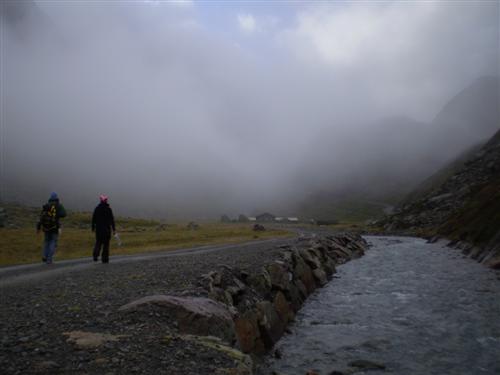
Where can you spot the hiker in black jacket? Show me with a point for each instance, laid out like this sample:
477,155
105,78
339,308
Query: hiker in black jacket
102,223
52,211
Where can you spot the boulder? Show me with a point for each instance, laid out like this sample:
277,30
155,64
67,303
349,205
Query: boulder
247,333
494,263
310,257
295,296
320,276
283,308
280,278
261,282
303,272
270,325
195,315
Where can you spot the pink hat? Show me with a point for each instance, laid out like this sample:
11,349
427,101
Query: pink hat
103,198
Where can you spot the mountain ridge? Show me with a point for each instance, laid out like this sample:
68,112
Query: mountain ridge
464,208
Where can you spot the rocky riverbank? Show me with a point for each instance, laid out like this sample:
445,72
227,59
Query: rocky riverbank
195,314
460,203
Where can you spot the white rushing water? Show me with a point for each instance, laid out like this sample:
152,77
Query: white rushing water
414,307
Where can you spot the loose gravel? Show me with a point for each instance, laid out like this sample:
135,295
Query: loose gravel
37,311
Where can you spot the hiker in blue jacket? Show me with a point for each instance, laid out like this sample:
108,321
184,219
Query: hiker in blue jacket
52,211
103,223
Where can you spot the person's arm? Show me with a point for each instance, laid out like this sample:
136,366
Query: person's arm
39,224
93,219
61,210
112,220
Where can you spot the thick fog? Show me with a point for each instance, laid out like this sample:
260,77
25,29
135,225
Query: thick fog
195,109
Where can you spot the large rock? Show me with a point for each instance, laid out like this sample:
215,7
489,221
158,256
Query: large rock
303,272
195,315
310,257
261,282
224,285
320,276
283,308
295,295
248,333
494,263
270,324
278,273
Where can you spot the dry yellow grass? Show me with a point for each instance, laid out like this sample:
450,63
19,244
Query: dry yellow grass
24,245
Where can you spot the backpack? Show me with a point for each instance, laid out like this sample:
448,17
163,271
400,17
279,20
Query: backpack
49,217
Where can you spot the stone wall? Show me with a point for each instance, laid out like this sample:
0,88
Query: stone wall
260,305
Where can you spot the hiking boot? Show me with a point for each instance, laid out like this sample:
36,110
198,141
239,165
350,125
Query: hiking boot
96,259
44,260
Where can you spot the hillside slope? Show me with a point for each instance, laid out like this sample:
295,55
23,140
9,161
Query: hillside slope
396,154
464,208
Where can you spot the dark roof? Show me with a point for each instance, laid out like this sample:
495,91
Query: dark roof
266,214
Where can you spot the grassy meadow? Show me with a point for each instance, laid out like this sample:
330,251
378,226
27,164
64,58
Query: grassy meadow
19,242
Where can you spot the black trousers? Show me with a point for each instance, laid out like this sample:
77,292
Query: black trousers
102,242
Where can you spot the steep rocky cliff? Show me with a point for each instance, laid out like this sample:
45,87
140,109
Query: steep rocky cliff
464,208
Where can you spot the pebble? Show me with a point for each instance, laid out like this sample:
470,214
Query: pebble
367,365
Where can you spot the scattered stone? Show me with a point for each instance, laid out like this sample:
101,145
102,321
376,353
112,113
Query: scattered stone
259,228
47,365
367,365
89,340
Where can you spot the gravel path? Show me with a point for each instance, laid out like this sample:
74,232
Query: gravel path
40,303
13,275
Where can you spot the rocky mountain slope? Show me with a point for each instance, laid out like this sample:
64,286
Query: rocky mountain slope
464,208
397,154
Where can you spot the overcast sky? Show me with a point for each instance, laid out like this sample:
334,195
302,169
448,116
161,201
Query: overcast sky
211,107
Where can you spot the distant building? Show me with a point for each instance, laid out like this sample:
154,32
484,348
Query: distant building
279,219
265,217
292,219
252,218
225,219
243,219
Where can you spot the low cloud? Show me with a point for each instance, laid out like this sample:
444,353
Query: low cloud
143,102
247,23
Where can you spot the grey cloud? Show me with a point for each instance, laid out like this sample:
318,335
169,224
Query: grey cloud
144,104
